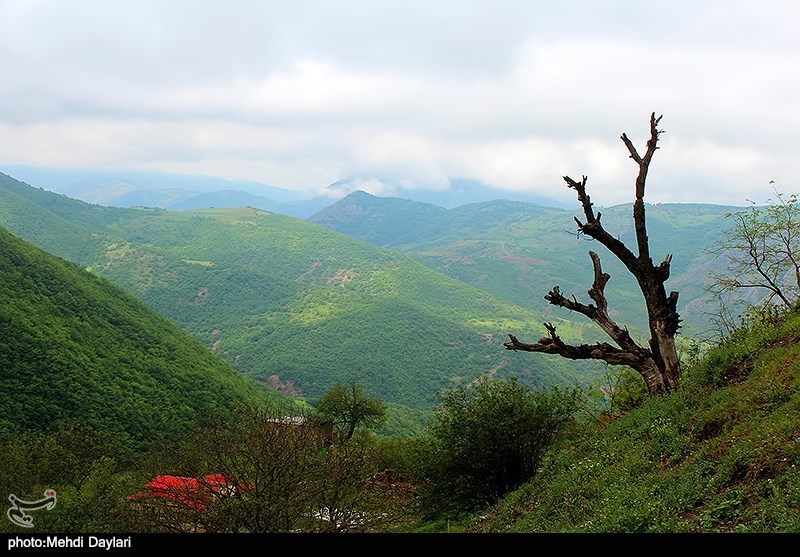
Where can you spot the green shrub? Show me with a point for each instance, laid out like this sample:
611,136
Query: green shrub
487,439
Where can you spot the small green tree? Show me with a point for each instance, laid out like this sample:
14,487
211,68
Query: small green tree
486,439
348,407
761,251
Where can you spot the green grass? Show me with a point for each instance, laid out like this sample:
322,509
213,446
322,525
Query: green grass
720,454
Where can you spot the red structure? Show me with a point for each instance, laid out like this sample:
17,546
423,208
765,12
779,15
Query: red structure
191,492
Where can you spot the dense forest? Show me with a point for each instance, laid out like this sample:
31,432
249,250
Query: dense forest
78,349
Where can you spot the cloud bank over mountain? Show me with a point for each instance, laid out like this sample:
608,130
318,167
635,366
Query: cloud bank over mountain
399,96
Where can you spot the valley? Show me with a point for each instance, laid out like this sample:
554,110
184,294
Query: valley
277,296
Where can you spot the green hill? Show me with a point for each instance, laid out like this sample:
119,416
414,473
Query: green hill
278,296
720,454
518,251
76,347
378,220
297,305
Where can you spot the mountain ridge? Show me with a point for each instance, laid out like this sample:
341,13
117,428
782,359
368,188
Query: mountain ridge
274,295
518,251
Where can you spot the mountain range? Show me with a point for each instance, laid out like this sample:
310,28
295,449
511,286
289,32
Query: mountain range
404,296
130,188
518,251
292,303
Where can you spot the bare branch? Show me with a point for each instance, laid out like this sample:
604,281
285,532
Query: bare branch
658,364
594,229
663,268
629,144
641,179
556,298
553,344
597,291
583,198
599,311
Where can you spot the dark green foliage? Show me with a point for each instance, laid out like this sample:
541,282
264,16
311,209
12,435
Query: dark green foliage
347,407
75,347
720,454
84,466
486,439
403,421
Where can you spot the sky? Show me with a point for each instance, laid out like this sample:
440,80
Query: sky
401,95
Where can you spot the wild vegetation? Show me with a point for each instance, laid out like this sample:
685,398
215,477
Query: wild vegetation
346,408
486,439
139,427
293,304
720,454
76,348
762,258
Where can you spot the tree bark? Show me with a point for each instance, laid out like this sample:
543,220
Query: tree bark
658,364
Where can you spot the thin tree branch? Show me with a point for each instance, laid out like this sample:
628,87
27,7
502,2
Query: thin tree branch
641,179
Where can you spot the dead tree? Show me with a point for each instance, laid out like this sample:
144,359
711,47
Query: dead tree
658,364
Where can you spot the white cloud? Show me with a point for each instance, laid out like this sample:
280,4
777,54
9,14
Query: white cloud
404,95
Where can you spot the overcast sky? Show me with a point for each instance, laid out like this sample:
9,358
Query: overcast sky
409,93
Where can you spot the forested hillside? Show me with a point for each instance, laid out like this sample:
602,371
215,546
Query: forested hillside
277,296
76,347
518,251
293,303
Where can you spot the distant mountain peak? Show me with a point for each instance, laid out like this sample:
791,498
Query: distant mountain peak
460,192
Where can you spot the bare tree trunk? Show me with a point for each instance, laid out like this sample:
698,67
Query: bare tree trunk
658,364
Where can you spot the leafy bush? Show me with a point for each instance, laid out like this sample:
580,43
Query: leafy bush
486,439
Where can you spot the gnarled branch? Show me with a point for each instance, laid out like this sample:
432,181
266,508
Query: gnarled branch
658,364
641,179
597,312
553,344
594,229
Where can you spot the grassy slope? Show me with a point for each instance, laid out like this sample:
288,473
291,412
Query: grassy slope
74,346
722,454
